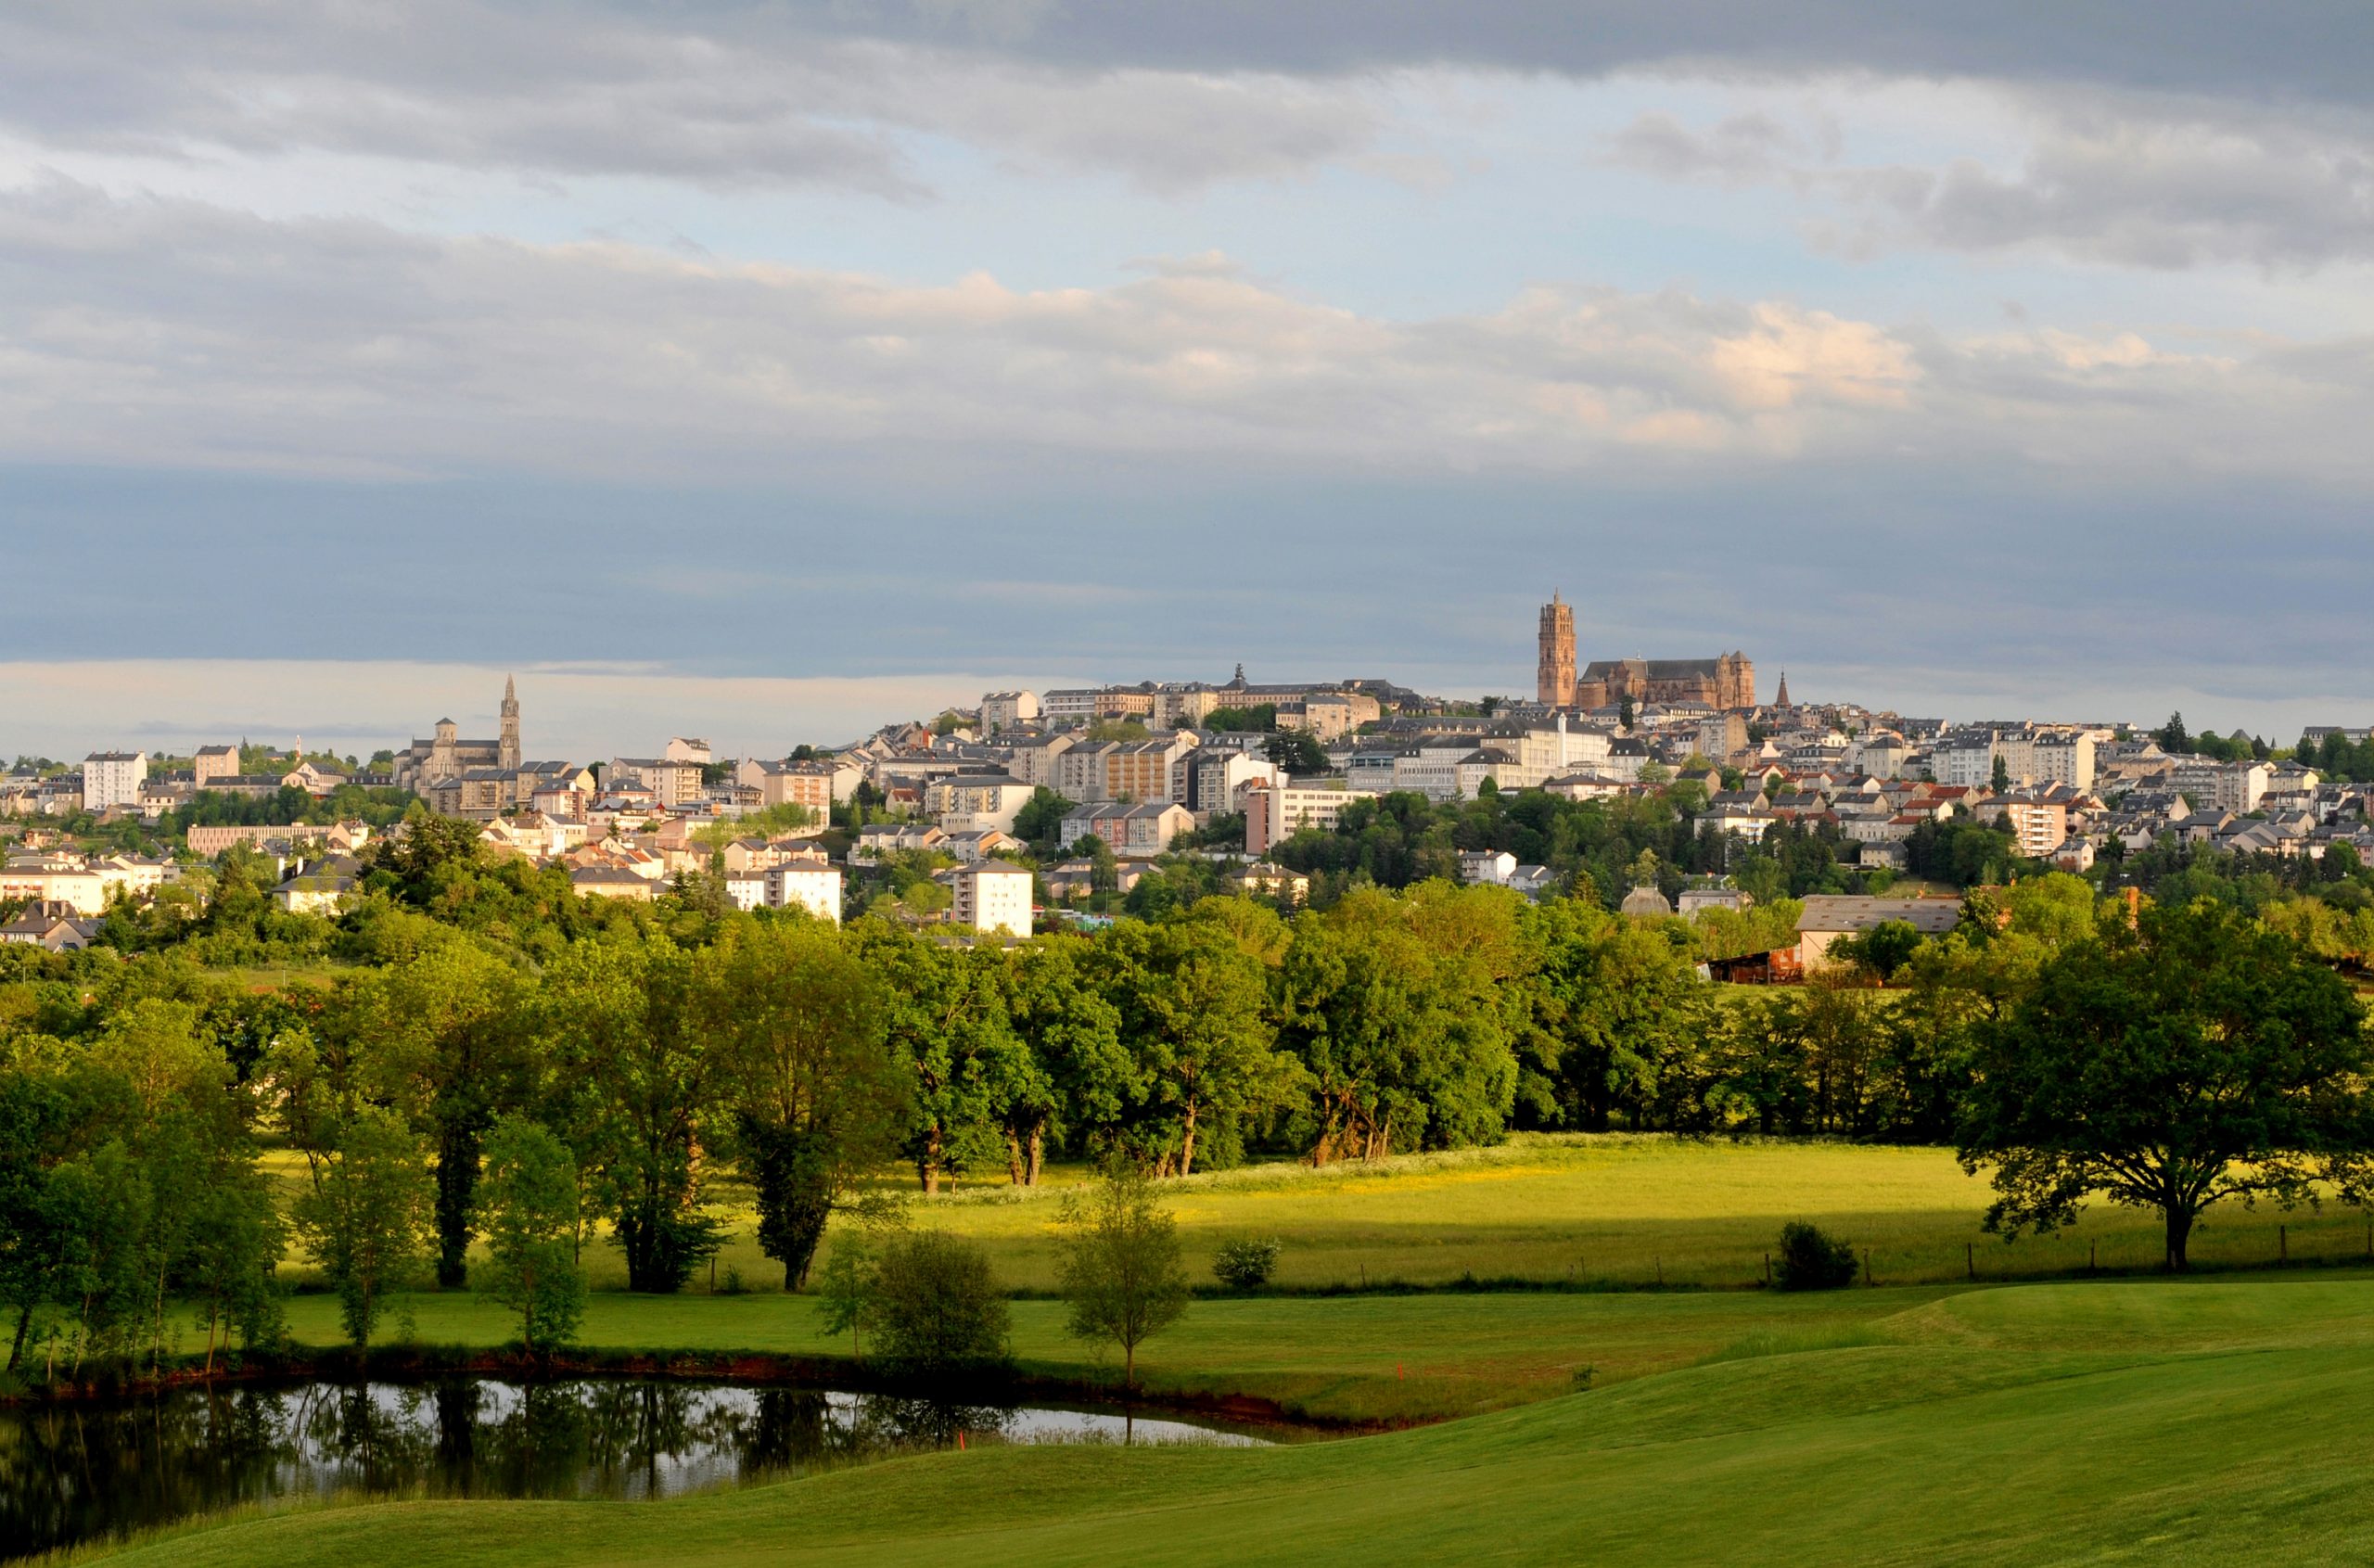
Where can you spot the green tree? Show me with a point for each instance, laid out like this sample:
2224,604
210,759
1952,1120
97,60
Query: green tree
1121,1269
1882,951
1073,1071
1194,1008
365,1219
441,1036
938,1312
1041,819
2195,1058
949,1026
1296,752
628,1031
526,1205
813,1089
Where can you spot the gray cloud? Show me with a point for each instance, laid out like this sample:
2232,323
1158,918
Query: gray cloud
164,332
2133,182
716,97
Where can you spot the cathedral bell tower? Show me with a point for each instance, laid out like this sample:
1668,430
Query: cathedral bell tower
1554,676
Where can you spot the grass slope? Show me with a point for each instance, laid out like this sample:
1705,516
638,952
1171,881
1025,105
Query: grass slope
2222,1422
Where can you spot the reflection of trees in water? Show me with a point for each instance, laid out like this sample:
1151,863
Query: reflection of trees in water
72,1472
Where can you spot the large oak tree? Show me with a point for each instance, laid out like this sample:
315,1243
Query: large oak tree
2193,1058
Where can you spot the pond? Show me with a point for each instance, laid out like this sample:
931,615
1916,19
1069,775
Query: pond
72,1472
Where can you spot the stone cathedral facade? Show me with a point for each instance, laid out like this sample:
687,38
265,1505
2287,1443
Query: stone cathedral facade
1727,681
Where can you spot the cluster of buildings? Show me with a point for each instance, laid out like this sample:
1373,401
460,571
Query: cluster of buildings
1141,767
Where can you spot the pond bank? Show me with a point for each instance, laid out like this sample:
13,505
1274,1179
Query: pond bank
420,1363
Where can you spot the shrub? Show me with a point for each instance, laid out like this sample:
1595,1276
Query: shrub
938,1310
1245,1264
1812,1261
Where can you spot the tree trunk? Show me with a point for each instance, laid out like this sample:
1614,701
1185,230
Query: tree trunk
457,1180
1014,1157
24,1323
2179,1232
1187,1143
1037,1151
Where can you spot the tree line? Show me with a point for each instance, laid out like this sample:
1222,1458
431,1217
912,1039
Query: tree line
536,1097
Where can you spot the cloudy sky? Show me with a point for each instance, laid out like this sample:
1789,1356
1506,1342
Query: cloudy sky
771,369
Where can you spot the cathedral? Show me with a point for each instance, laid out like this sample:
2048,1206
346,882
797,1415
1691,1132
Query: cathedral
428,762
1727,681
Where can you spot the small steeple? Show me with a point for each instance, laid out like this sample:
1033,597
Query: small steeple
1780,699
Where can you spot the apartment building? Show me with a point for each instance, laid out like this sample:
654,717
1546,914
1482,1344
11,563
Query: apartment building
1275,813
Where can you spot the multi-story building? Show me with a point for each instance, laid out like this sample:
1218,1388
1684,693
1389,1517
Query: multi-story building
2037,825
807,885
1275,813
970,802
1207,780
817,784
213,762
113,778
1137,829
1004,710
993,898
674,783
1142,770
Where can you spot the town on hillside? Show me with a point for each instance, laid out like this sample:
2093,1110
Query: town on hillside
1660,787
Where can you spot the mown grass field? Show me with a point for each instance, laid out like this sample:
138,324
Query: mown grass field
1617,1209
2208,1422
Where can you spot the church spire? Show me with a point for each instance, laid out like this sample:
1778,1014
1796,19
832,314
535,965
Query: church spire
507,748
1780,699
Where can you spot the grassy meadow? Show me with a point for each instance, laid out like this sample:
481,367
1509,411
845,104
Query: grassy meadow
1616,1209
2219,1421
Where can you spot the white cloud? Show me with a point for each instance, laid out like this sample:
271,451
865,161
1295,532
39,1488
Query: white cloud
165,333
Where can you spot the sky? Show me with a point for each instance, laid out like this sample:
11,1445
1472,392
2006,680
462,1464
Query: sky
771,369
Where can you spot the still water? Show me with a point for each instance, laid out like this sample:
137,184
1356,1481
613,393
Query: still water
76,1473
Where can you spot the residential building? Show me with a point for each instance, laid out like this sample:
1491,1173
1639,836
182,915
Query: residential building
1128,829
613,882
323,887
1005,710
971,802
213,762
805,885
993,898
1270,880
113,779
674,783
2038,825
1828,917
1275,813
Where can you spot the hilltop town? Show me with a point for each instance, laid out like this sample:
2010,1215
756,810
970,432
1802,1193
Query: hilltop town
1026,809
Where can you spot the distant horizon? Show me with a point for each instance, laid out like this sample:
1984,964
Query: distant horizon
599,714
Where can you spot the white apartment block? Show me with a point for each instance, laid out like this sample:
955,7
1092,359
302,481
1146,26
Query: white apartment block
993,898
113,778
970,802
1966,759
1276,813
804,884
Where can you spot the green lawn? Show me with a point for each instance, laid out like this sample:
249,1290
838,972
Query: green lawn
2212,1421
1621,1209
